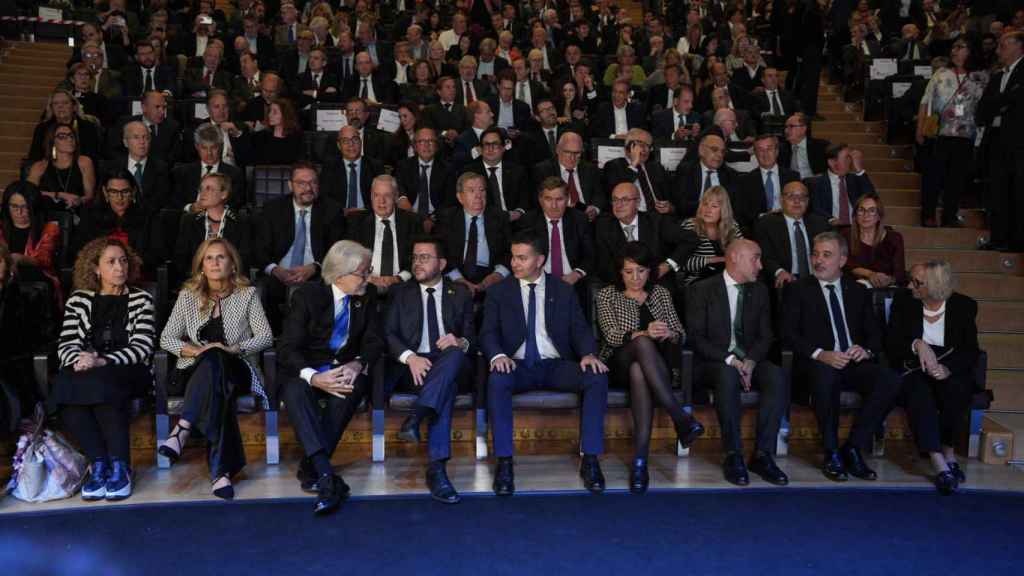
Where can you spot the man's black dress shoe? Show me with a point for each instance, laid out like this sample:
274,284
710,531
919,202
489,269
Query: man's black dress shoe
854,463
410,431
994,247
307,476
833,467
441,488
504,478
945,483
735,470
328,495
764,466
639,478
958,472
689,432
590,472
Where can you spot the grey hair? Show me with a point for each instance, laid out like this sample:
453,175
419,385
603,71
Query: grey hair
938,280
124,129
209,134
833,236
344,257
386,179
460,184
625,50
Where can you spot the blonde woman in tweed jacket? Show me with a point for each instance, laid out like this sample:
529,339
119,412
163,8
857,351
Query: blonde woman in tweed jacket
217,330
640,326
105,346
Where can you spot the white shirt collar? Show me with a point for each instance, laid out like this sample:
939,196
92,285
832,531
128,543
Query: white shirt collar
524,283
765,171
436,287
338,294
837,283
729,280
634,222
380,221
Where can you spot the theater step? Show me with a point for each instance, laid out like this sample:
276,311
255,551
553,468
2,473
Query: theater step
15,144
872,151
1008,388
911,216
8,175
1004,350
10,113
965,261
12,128
996,316
36,103
991,286
41,47
850,138
886,163
900,196
43,60
16,86
956,238
851,127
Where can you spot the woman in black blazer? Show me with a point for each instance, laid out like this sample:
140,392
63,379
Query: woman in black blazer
213,218
933,341
115,215
639,325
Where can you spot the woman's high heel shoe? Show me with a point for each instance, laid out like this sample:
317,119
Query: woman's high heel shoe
639,477
224,492
170,453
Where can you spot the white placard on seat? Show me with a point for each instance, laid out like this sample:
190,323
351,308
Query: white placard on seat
201,113
330,120
924,71
136,107
389,121
608,153
882,68
670,157
899,89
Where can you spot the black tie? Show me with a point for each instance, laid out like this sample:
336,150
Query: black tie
148,87
495,188
645,187
423,192
778,104
837,318
432,329
551,139
364,91
707,182
387,251
802,268
152,131
345,70
447,107
471,242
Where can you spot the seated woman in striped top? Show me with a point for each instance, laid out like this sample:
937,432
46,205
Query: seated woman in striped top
104,349
701,252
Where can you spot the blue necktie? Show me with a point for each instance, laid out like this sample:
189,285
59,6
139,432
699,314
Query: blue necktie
353,186
769,191
340,332
837,318
532,355
299,244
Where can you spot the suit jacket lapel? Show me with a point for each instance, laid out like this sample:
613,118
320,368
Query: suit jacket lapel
448,306
315,227
721,297
549,303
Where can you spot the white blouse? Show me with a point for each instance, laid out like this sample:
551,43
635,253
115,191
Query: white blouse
934,333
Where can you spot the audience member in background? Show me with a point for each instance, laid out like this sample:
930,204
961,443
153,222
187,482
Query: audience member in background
730,322
114,215
420,87
785,237
799,153
835,193
330,339
567,234
933,342
641,336
348,173
830,324
639,168
63,108
760,190
212,217
65,175
876,250
477,237
429,330
706,236
280,142
387,232
209,143
582,179
401,145
695,178
151,174
217,330
508,187
106,343
80,82
32,241
423,179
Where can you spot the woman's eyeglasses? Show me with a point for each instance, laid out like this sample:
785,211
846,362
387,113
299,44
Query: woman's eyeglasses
64,136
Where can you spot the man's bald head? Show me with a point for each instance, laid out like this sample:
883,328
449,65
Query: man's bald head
743,260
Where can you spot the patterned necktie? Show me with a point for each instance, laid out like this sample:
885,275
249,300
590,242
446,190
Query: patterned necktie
353,186
470,96
574,194
631,233
138,175
340,332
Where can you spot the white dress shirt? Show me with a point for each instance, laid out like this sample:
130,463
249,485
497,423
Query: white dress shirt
934,333
371,96
833,183
544,344
415,194
733,292
424,347
307,257
998,120
506,116
703,174
791,230
575,179
378,246
801,163
566,267
339,299
621,124
635,224
501,190
842,308
524,93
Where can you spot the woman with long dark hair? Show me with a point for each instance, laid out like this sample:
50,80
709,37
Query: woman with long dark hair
280,142
65,175
32,241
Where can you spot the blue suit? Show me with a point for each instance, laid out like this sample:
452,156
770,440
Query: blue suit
504,331
820,190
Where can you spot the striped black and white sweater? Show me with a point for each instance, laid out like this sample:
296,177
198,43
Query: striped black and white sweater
75,333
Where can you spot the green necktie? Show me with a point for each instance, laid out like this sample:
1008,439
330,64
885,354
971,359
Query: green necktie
737,323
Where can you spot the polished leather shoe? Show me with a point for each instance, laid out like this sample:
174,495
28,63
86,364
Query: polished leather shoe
590,472
958,472
833,467
328,495
764,466
855,465
735,470
994,247
504,478
441,488
689,432
945,483
410,431
639,478
306,475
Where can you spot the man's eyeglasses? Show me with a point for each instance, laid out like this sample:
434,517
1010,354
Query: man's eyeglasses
353,140
571,153
491,144
423,258
425,141
620,201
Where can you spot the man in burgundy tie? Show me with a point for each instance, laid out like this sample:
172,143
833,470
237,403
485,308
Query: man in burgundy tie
570,242
834,193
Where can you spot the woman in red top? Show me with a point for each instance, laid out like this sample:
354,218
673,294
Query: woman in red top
33,244
876,251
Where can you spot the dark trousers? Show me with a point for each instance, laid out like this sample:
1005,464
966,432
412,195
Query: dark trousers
554,374
102,430
768,379
1005,202
210,398
878,387
950,171
318,418
437,393
936,409
808,79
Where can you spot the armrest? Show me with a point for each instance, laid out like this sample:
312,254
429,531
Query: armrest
270,377
161,362
41,371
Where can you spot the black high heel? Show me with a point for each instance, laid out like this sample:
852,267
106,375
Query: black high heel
224,492
169,453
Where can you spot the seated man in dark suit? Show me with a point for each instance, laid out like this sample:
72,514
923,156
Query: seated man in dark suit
293,234
368,85
199,80
145,76
151,174
423,180
469,88
613,119
467,145
799,153
785,237
760,190
830,325
448,116
508,185
681,123
909,46
429,329
186,177
750,75
535,337
639,168
164,131
567,235
509,112
271,87
330,338
582,179
708,170
317,84
387,232
348,174
476,236
773,100
376,143
542,139
663,96
835,193
729,324
627,224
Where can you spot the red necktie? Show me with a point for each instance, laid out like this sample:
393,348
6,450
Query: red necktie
207,77
556,250
574,194
844,202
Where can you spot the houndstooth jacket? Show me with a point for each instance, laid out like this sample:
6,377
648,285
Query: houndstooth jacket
619,316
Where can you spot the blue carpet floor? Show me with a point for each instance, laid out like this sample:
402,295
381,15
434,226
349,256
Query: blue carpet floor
751,532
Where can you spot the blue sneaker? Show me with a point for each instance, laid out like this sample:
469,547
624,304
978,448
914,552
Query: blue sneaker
95,487
119,483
